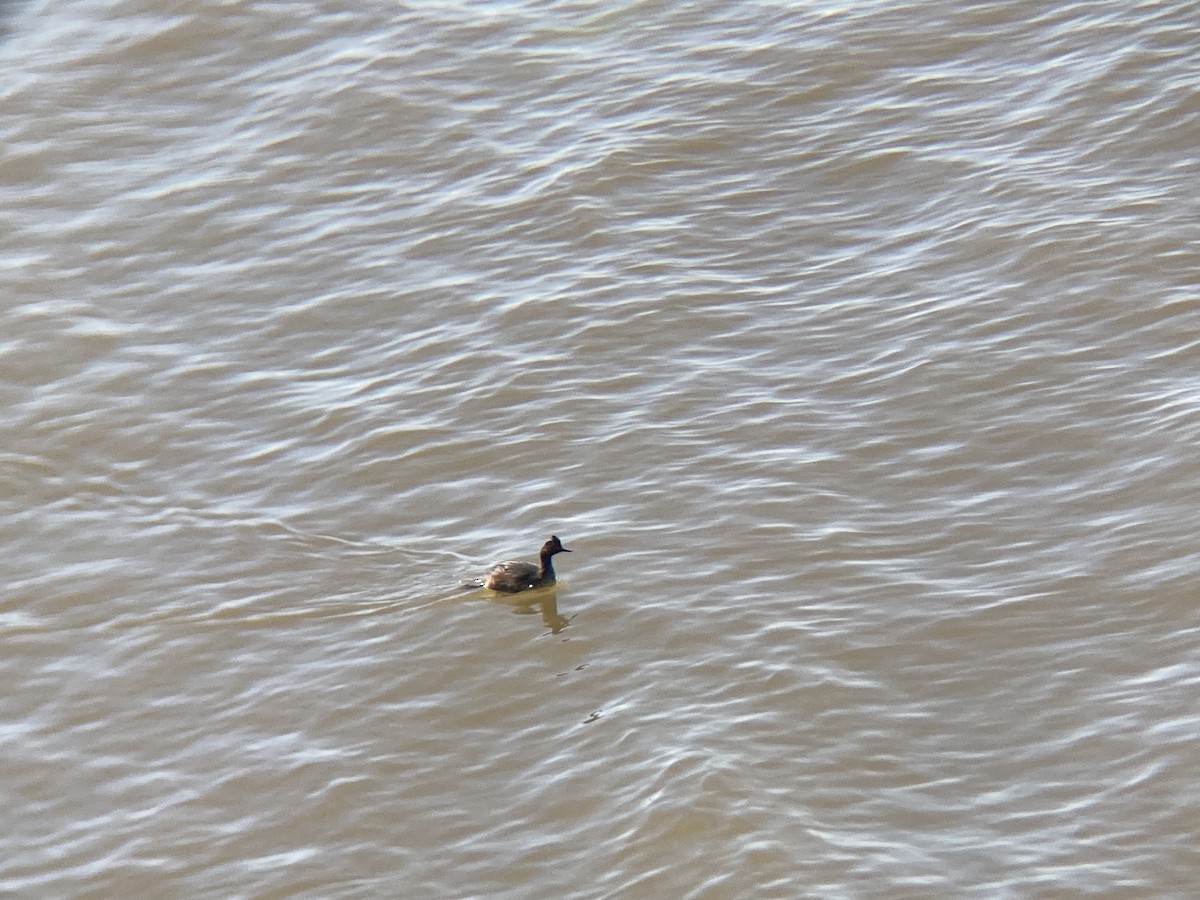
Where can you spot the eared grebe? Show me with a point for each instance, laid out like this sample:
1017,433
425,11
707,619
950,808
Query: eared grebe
511,577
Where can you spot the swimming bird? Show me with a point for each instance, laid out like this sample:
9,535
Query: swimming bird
513,576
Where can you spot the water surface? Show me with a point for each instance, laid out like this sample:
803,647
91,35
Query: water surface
852,350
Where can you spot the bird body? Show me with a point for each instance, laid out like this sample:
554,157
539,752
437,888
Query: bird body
514,575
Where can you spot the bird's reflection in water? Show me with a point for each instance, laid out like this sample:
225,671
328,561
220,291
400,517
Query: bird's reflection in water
526,603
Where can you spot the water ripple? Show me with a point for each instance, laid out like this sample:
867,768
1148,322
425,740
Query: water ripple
849,348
